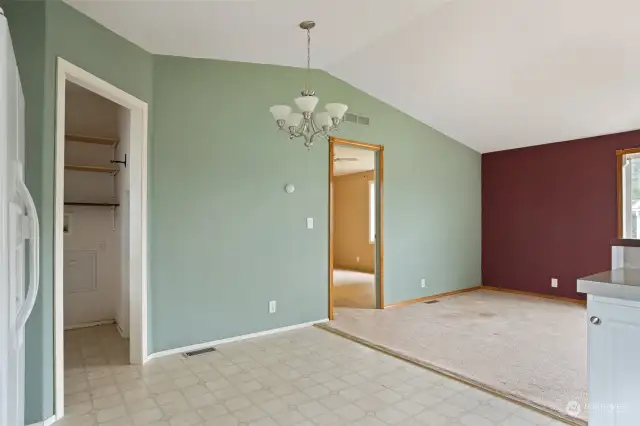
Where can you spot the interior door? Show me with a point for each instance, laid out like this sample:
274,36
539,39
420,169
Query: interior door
18,223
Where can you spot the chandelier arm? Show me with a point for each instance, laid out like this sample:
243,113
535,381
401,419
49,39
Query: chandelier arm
335,125
305,126
314,126
295,133
321,130
317,132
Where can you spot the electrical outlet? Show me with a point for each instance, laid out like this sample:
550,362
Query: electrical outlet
554,282
272,307
423,283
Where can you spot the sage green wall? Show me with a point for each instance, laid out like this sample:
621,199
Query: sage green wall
42,31
224,236
228,239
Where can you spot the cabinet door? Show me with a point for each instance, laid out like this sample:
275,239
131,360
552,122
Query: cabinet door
614,365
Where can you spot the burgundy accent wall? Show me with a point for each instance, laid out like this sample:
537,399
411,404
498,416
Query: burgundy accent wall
550,211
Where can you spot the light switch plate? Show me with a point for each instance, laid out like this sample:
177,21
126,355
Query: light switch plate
309,223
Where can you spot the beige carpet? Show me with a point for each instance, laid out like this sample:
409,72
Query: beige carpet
530,349
343,277
352,289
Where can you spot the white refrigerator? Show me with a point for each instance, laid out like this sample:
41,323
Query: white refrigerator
19,238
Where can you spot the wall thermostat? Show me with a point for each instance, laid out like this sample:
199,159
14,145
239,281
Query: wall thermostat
289,188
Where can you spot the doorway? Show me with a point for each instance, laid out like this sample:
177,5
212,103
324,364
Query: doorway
355,225
100,228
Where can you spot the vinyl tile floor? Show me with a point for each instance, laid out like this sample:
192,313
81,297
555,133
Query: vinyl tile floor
304,377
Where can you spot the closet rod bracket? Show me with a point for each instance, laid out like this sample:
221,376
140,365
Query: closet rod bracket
120,162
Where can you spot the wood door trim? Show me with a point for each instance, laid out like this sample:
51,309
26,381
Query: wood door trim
331,155
380,237
356,144
619,200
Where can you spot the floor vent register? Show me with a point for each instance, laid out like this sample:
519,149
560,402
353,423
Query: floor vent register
199,352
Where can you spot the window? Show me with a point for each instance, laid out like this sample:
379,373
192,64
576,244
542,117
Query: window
629,193
372,212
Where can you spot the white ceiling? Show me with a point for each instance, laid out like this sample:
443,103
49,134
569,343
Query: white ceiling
492,74
365,159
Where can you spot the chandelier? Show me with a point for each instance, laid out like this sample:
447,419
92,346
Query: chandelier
306,123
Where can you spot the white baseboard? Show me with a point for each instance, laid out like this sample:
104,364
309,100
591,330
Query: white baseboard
232,339
48,422
90,324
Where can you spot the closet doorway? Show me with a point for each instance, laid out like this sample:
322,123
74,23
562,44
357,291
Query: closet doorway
355,225
100,236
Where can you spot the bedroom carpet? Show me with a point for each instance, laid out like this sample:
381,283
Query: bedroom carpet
352,289
525,348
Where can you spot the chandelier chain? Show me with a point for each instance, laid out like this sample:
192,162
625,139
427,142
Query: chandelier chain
308,59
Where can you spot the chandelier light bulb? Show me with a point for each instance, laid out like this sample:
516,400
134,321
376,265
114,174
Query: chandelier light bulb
323,119
307,103
336,110
280,112
294,119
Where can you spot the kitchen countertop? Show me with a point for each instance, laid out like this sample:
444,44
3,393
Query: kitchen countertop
623,283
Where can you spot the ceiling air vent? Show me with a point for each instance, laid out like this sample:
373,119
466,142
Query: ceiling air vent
350,117
363,120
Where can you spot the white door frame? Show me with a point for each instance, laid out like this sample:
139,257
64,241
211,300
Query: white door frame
137,216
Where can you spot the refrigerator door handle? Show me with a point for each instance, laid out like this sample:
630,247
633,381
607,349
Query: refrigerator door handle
34,252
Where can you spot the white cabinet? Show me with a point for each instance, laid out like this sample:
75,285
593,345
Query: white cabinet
614,361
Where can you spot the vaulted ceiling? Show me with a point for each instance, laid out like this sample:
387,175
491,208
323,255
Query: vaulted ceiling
492,74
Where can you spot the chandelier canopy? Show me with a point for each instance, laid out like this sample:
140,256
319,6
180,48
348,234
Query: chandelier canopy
306,123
